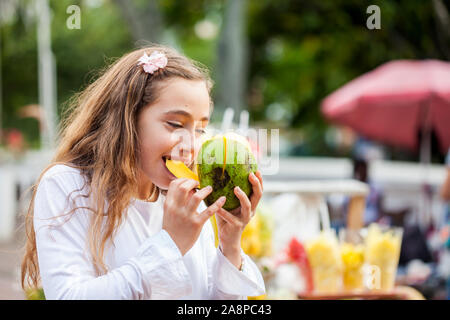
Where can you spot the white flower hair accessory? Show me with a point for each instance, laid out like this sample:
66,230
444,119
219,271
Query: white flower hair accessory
157,60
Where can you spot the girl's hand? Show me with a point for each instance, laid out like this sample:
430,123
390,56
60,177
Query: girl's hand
230,225
181,220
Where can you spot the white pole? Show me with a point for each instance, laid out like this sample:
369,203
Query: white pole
47,73
425,161
227,121
425,147
244,120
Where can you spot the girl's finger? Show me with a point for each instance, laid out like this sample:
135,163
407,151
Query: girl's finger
256,183
172,194
257,191
186,189
259,176
229,217
246,205
198,197
208,212
173,187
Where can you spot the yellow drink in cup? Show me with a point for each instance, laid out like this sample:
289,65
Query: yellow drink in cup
353,262
326,263
352,253
382,252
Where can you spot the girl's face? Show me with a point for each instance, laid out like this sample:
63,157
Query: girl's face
171,128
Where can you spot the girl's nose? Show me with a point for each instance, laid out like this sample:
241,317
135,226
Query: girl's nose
188,147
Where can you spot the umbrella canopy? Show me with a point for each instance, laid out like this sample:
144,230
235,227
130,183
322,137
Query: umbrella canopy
396,101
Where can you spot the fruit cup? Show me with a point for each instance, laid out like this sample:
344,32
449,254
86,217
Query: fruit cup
382,252
352,253
326,262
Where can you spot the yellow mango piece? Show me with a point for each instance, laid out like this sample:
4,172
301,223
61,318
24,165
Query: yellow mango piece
261,297
352,255
180,170
216,233
225,155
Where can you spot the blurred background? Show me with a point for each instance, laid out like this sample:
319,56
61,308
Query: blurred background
280,62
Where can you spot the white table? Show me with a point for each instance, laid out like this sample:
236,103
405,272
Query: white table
313,192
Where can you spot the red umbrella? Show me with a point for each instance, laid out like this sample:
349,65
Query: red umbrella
396,100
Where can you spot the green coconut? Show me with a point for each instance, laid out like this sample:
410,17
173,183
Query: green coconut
224,162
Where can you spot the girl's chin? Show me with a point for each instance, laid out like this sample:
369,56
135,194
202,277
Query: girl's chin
164,177
163,185
164,182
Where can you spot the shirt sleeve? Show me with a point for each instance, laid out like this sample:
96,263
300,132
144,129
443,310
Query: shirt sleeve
225,281
157,270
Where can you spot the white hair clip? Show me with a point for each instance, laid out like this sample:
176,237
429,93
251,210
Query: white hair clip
157,60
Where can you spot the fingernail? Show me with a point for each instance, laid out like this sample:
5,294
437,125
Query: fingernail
222,199
238,189
209,188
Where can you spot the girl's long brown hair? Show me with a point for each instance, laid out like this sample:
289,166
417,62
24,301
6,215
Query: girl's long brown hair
99,137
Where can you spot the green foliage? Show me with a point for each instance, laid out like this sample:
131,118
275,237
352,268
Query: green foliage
305,50
79,54
82,53
299,52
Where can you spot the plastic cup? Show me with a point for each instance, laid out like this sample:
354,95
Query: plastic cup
326,263
382,253
352,253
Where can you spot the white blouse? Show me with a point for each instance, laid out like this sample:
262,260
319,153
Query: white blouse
143,262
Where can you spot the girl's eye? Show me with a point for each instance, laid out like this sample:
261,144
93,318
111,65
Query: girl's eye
179,125
175,124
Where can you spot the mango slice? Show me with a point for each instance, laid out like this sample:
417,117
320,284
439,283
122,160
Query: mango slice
180,170
224,156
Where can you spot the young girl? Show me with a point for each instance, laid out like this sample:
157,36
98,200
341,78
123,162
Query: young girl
107,219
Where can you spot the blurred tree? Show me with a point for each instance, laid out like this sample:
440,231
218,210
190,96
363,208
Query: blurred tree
79,54
299,51
443,26
232,57
144,19
19,65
